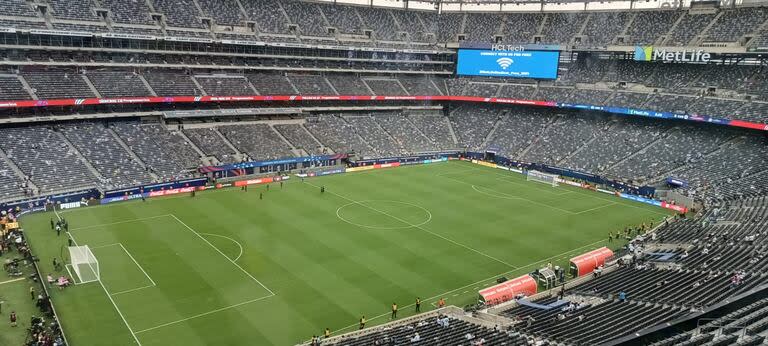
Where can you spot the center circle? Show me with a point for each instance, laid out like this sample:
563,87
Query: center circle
383,214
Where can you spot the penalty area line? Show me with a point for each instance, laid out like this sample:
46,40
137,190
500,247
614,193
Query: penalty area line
202,314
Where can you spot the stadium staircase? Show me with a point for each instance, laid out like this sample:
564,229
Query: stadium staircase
535,140
17,170
490,134
27,88
587,143
668,35
197,84
91,86
146,84
335,92
703,33
207,160
296,152
80,156
133,154
323,146
642,150
228,143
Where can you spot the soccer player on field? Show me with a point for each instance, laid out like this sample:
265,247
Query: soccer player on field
362,322
394,311
418,304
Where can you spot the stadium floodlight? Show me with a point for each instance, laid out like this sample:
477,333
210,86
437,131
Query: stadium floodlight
84,263
541,177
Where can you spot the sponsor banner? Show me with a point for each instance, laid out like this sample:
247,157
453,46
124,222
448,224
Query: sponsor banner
360,168
586,263
678,208
295,98
122,198
605,191
129,36
321,173
70,205
639,199
60,33
483,163
171,191
676,182
209,169
266,180
508,290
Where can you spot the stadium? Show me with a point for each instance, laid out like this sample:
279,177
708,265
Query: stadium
383,172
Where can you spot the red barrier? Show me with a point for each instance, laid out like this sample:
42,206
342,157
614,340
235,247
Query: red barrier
509,289
675,207
586,263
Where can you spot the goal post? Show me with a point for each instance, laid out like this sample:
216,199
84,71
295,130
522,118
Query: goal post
541,177
84,263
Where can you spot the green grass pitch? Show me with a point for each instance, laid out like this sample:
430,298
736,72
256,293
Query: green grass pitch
229,268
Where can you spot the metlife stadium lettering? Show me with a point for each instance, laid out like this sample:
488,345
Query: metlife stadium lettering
650,53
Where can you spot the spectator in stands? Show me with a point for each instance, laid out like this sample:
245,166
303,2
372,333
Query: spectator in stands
416,337
622,296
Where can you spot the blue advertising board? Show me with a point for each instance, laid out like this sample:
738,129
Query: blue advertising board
502,63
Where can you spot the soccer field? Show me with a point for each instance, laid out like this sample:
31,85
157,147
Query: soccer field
229,268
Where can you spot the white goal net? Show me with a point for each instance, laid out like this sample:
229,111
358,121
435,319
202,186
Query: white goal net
84,263
541,177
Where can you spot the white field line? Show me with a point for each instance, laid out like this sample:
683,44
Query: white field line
11,281
436,297
135,338
119,222
138,265
202,314
103,246
593,194
225,256
232,240
511,196
596,208
133,290
420,227
507,180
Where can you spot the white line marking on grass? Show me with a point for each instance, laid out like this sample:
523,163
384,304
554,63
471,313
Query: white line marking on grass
596,208
11,281
138,265
457,172
201,315
338,210
103,246
119,222
225,256
510,196
232,240
420,227
506,179
133,290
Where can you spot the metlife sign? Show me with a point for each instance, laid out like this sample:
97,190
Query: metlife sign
508,63
650,53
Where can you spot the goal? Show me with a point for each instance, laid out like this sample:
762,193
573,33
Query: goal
541,177
84,263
